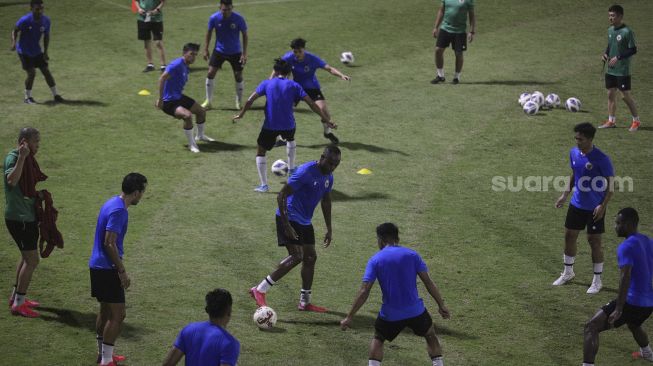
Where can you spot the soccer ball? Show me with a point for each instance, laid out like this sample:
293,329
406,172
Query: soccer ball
552,100
347,58
523,98
531,107
265,318
279,168
538,98
573,104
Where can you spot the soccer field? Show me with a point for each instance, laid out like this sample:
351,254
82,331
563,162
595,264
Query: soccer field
433,150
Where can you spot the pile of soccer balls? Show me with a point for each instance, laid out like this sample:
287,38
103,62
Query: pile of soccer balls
533,102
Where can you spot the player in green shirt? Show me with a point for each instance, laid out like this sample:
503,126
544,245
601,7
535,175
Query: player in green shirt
450,28
621,48
150,27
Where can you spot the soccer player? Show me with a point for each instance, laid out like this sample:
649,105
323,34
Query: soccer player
150,27
304,65
228,26
634,302
621,48
281,94
109,278
592,175
173,102
21,173
208,342
31,27
397,269
450,28
310,185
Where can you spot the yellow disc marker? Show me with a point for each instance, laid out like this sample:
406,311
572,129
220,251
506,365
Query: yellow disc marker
144,92
364,171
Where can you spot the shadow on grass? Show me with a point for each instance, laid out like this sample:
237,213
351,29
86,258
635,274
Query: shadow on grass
358,146
509,82
76,319
217,146
645,128
12,3
81,102
199,68
441,330
588,284
359,321
274,330
340,196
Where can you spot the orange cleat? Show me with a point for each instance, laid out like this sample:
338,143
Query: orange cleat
634,126
258,296
608,124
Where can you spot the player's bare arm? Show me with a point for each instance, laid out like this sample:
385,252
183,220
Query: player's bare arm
243,56
173,357
14,36
622,294
162,80
14,176
361,298
333,71
325,204
207,41
472,26
563,198
246,107
438,22
435,294
282,203
599,211
110,239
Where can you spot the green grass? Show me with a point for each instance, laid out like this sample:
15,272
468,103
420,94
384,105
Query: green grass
433,151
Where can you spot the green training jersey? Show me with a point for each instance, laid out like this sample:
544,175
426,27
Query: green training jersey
17,206
455,15
149,5
619,40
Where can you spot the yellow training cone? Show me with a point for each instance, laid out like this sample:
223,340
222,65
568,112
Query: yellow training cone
144,92
364,171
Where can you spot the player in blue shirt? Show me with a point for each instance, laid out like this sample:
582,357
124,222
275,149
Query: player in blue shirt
397,269
173,102
311,184
228,26
304,65
592,175
281,94
109,277
209,342
31,27
634,302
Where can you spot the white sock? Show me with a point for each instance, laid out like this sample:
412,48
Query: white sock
200,129
265,285
587,364
107,353
635,118
611,118
569,264
305,297
262,166
19,299
99,339
240,86
438,361
327,129
189,135
209,89
291,149
456,75
53,89
646,351
28,93
13,292
598,269
373,363
440,72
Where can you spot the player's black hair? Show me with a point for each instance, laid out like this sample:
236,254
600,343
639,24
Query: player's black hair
226,2
331,149
191,47
298,43
388,231
35,2
586,129
629,215
282,66
618,9
27,133
218,303
133,182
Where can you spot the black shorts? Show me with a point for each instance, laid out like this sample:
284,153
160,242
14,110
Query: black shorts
171,106
30,62
315,94
106,287
577,219
217,59
305,233
458,41
150,30
389,330
620,82
25,234
631,315
267,138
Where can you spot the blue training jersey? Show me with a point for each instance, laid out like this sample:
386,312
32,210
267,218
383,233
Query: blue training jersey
174,86
281,95
590,177
637,251
303,72
396,269
309,185
113,217
28,43
205,343
227,32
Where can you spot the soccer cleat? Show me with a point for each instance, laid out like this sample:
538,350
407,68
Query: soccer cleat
148,68
262,188
437,80
24,310
311,307
638,354
258,296
206,105
634,126
455,81
116,358
162,68
30,100
112,363
193,148
58,98
332,137
595,288
204,138
608,124
564,278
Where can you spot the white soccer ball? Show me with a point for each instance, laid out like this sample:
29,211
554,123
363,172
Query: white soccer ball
573,104
552,100
531,107
279,168
538,98
523,98
265,317
347,58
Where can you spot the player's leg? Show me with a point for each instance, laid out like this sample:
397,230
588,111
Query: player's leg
26,235
288,137
459,66
575,221
433,347
328,132
593,327
112,328
265,142
459,46
29,83
443,41
100,324
200,119
611,84
49,79
215,62
594,231
157,36
148,56
187,116
237,68
630,102
640,336
376,351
